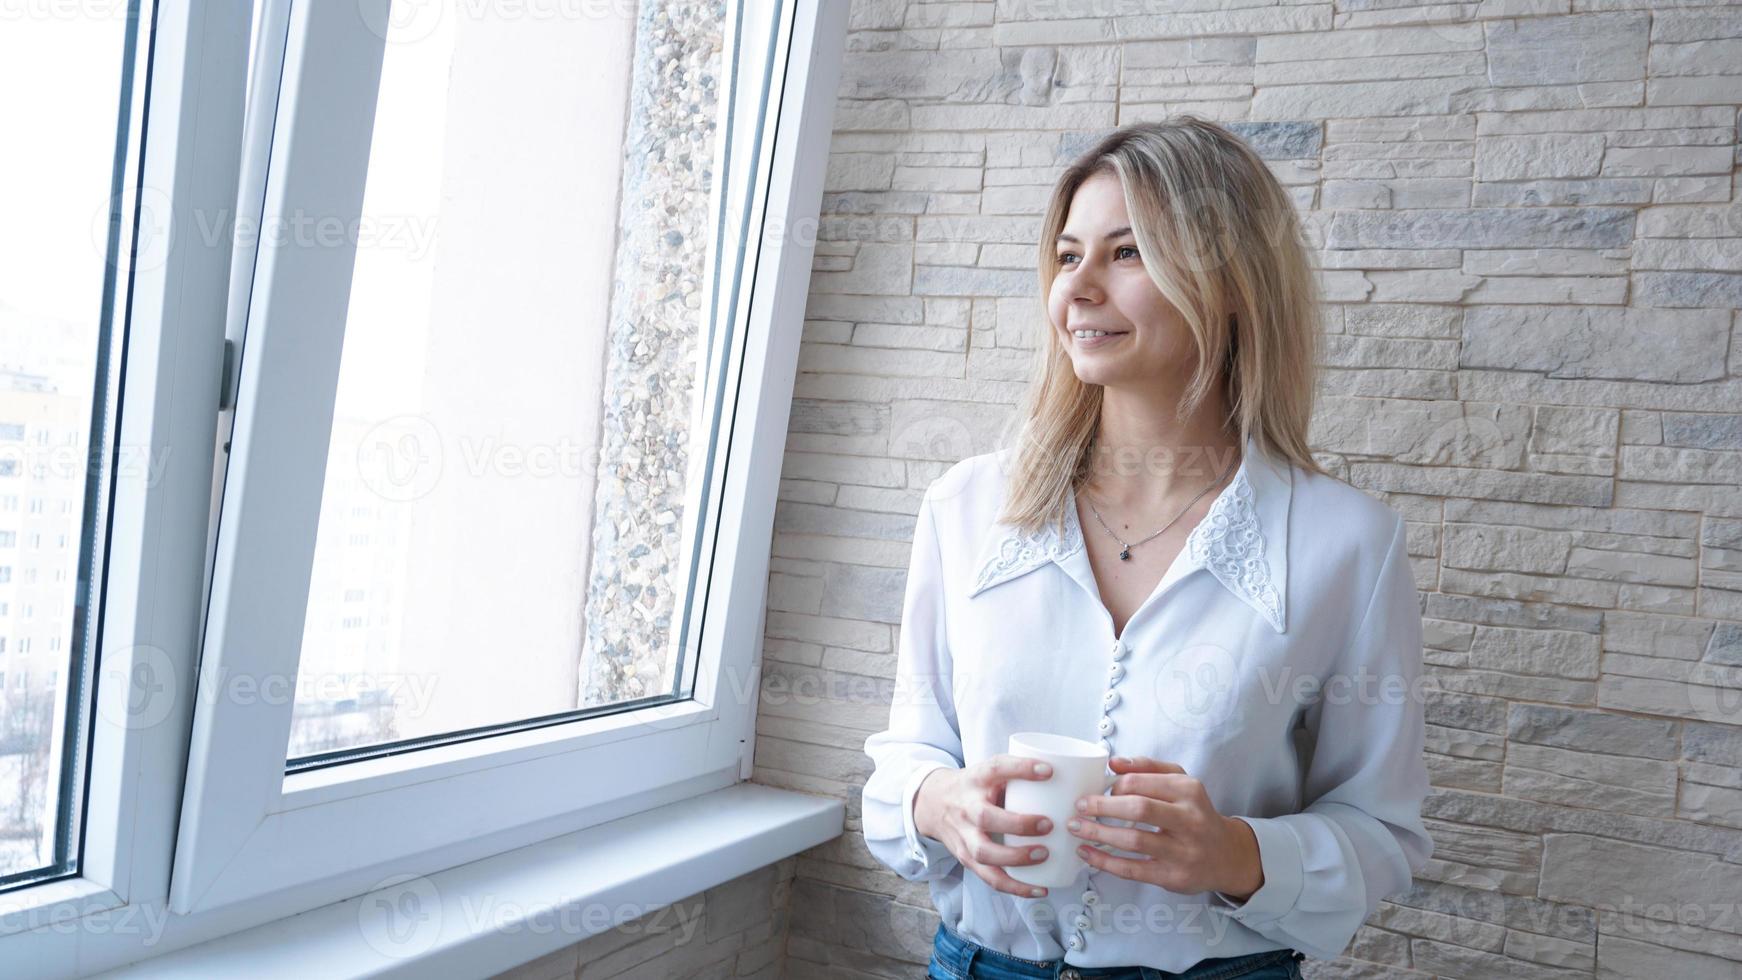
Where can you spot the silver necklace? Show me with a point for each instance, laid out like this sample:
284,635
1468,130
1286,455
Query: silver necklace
1125,548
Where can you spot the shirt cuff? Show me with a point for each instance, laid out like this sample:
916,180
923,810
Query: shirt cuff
1279,854
923,849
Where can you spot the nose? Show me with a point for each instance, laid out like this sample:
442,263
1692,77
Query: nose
1083,278
1085,285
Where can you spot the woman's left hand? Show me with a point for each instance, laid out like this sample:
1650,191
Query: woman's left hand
1195,848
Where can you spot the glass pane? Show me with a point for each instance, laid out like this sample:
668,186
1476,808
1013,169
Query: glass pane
506,529
65,82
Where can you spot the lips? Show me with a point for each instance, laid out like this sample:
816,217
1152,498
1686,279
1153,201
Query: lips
1095,342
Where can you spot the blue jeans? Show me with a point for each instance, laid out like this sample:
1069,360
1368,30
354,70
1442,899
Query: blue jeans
955,957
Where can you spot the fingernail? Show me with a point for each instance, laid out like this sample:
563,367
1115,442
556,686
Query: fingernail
1083,806
1120,759
1038,854
1043,769
1045,826
1037,892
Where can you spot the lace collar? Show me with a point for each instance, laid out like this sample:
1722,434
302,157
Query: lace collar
1243,540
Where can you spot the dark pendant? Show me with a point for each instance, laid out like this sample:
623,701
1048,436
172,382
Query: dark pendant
1125,554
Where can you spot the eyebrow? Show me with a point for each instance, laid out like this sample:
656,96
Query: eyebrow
1115,233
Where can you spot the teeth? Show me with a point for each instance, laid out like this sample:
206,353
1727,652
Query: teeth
1086,334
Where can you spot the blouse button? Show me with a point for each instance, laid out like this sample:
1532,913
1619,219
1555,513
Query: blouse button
1083,921
1120,650
1110,699
1091,898
1116,671
1106,725
1076,941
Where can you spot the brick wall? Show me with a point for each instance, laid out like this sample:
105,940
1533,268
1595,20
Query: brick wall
1532,246
735,931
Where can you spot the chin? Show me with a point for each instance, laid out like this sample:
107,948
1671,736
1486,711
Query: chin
1096,374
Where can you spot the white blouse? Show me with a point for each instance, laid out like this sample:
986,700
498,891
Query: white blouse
1291,606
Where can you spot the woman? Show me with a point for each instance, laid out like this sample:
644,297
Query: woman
1161,566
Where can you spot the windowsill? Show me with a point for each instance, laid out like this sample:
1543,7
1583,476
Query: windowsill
484,917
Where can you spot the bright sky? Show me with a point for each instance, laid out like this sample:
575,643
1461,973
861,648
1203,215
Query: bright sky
61,81
62,78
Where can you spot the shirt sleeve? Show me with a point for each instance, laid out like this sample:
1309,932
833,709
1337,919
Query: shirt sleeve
1360,837
922,736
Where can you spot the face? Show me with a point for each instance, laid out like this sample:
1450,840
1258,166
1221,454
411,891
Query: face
1102,286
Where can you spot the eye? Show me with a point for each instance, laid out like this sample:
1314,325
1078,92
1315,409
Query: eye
1132,248
1066,255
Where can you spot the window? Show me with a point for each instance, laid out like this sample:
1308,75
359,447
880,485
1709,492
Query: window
436,345
68,247
496,316
441,425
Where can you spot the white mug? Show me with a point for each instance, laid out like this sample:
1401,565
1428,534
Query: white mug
1079,769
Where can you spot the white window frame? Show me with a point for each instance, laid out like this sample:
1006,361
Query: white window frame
170,303
248,830
251,846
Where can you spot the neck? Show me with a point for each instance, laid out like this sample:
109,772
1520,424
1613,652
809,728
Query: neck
1141,455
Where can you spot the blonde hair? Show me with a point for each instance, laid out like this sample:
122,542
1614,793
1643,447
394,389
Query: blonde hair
1221,239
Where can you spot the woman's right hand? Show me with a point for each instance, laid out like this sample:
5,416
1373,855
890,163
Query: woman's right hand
962,808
